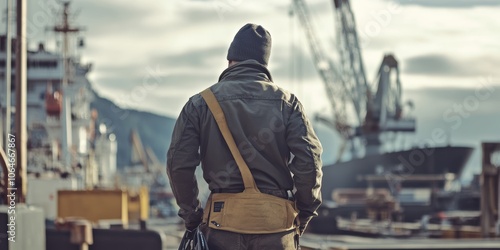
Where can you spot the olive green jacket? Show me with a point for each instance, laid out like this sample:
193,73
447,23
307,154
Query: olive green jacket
271,130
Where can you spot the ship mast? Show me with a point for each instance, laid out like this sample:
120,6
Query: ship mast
65,29
21,105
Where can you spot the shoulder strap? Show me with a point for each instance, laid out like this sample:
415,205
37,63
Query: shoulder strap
218,114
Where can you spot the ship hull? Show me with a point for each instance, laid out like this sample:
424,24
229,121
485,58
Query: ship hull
396,170
398,166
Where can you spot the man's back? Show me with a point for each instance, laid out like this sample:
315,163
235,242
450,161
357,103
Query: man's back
268,125
257,112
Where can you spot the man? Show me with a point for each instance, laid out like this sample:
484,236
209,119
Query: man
268,124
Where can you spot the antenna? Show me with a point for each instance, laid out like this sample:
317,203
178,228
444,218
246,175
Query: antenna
65,29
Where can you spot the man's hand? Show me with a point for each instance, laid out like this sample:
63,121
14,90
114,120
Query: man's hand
194,219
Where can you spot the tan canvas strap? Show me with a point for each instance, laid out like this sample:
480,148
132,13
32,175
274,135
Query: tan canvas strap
218,114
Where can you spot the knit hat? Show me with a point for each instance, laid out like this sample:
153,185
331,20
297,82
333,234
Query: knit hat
251,42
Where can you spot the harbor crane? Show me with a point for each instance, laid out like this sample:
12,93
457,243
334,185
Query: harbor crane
378,106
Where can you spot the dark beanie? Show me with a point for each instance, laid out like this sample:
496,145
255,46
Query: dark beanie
251,42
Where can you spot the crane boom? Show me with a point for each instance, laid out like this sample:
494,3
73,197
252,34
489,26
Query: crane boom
327,70
375,114
351,60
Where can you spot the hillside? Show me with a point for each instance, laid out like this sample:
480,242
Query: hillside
155,130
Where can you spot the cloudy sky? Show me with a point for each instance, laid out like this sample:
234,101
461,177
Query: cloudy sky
154,54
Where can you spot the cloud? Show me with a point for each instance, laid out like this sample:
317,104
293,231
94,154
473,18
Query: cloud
165,85
106,18
432,65
217,11
439,99
188,40
442,65
450,3
194,58
297,64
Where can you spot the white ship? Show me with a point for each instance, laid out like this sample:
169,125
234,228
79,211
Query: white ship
81,156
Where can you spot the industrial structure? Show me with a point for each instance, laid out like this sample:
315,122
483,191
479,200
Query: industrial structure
367,176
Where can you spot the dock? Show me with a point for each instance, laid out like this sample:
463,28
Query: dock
332,242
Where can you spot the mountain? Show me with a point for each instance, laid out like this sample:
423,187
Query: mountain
154,130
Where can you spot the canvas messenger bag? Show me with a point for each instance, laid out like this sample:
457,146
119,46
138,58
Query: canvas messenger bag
248,212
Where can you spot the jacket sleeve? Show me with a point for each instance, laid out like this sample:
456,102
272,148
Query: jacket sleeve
306,164
182,159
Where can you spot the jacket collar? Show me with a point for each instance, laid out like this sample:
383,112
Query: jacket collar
249,69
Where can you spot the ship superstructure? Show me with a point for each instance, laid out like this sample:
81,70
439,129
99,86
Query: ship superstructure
63,134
